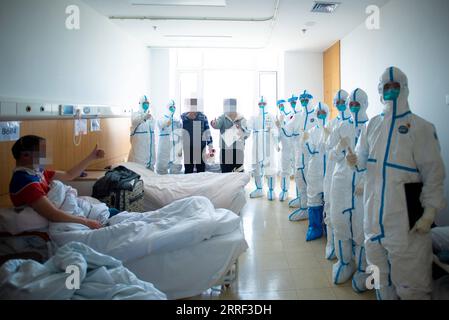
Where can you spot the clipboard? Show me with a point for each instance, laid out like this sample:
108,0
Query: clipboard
414,207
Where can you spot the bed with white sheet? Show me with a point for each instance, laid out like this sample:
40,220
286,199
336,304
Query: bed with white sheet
183,249
224,190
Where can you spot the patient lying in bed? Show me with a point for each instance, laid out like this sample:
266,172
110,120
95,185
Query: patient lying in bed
124,236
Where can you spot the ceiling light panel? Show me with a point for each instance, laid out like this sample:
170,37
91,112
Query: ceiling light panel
325,7
174,3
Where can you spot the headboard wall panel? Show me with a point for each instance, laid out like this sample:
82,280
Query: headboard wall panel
113,138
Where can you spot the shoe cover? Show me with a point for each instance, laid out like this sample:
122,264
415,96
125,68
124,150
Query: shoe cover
299,215
283,196
258,193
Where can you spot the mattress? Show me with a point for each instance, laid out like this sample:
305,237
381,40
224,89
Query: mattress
191,270
224,190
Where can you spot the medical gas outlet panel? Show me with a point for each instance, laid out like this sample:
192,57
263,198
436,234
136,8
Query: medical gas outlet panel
14,110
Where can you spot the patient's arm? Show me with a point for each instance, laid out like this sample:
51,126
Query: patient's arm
77,169
45,208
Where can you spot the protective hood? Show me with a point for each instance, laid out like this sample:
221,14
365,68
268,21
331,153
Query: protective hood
168,113
322,107
144,104
399,106
342,95
361,97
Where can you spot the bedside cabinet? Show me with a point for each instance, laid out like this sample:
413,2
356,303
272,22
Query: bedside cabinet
85,184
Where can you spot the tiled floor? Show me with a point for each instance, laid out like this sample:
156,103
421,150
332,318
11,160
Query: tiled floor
279,264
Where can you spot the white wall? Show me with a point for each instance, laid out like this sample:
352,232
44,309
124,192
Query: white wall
40,59
160,80
303,71
413,37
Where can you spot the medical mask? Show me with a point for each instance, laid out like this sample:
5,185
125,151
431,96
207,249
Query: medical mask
391,94
355,109
172,110
304,103
322,116
341,107
145,106
293,104
282,109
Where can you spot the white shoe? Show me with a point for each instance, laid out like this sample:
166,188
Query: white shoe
258,193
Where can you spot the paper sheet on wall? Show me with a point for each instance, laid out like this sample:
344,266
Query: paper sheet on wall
80,127
9,130
95,125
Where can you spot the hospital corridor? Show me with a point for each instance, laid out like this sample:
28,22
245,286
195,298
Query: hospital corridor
216,158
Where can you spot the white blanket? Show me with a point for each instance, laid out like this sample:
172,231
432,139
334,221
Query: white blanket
100,277
160,190
133,235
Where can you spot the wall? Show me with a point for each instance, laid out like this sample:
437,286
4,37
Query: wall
303,71
331,76
160,80
413,37
41,59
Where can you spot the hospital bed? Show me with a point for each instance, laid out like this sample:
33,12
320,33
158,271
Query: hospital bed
190,271
223,190
184,272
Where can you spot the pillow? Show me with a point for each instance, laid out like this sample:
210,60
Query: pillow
15,222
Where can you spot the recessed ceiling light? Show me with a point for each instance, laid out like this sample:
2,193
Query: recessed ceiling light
325,7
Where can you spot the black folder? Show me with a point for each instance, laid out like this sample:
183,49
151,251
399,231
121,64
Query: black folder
414,206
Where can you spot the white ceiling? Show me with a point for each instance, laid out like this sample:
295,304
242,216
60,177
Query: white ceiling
234,23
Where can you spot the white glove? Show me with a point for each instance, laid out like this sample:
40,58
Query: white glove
148,116
168,124
327,132
277,123
359,189
351,158
424,224
343,144
305,136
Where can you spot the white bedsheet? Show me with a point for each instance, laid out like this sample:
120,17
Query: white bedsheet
101,277
129,236
192,270
221,189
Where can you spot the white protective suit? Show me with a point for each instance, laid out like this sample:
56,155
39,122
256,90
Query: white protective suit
399,148
346,208
169,147
343,115
315,146
300,123
142,136
285,139
265,143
